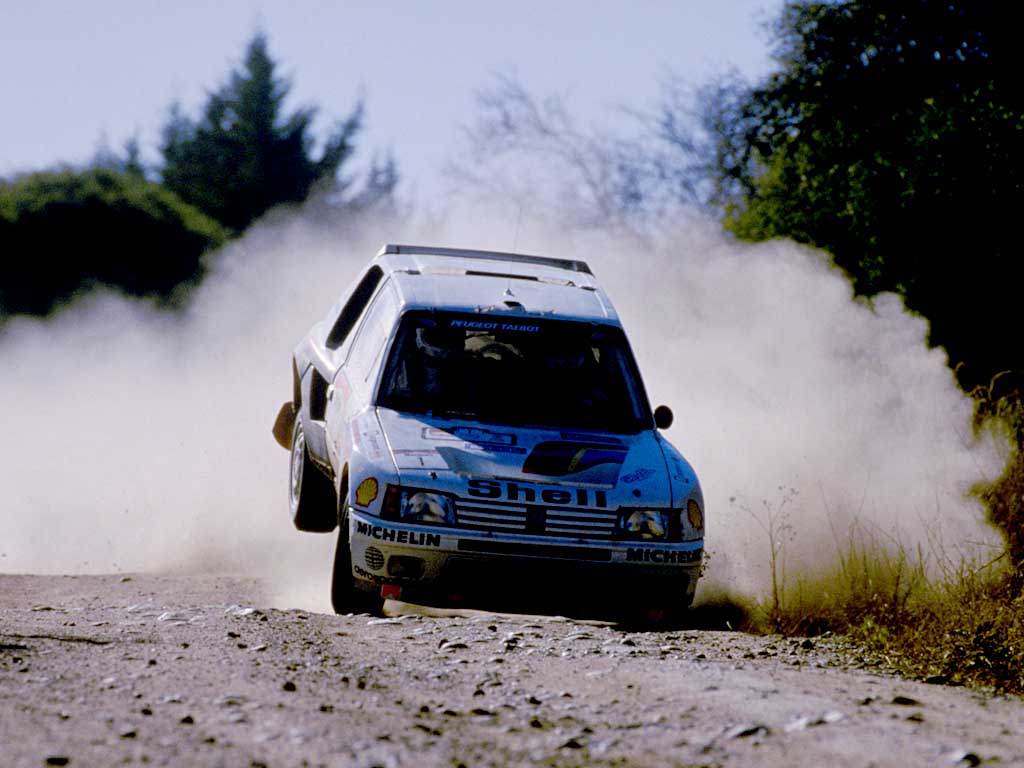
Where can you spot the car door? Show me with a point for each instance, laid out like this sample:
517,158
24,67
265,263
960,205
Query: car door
329,346
351,391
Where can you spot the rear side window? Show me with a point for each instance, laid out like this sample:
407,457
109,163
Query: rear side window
372,337
354,307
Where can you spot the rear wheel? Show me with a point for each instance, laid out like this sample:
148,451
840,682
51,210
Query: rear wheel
311,497
346,597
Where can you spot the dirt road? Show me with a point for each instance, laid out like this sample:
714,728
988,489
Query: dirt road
161,670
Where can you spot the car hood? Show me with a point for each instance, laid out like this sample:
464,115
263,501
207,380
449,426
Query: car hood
631,468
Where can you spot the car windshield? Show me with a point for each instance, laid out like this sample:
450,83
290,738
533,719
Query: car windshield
524,371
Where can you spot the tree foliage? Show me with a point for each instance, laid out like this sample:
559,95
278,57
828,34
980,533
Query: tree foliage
127,161
244,155
892,136
65,231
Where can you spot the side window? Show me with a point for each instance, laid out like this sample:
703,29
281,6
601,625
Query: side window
370,340
354,307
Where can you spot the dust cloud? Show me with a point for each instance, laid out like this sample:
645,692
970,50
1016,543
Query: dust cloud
136,440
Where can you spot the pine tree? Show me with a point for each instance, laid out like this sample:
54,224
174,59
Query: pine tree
244,155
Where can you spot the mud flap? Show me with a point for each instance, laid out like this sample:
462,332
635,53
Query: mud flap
283,425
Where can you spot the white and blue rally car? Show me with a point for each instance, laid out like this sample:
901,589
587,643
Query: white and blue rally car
475,424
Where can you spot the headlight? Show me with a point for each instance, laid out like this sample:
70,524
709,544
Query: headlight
646,524
423,507
413,506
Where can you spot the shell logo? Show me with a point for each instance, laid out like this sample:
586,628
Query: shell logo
367,491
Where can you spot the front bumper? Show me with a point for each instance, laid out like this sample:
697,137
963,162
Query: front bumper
452,565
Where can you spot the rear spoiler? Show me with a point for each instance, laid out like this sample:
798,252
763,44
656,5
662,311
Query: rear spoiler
571,265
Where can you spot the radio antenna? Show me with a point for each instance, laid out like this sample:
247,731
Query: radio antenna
515,237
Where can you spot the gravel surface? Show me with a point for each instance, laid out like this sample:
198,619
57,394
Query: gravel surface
169,670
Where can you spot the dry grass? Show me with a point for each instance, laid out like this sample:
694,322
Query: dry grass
932,617
999,408
970,631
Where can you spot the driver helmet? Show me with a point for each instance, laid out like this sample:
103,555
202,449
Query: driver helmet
439,343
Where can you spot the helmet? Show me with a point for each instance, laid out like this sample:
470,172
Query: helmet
439,343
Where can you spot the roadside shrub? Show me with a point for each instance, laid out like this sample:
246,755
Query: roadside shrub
967,630
927,614
999,408
964,626
66,231
971,632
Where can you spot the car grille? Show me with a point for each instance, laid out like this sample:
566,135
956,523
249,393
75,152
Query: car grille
522,518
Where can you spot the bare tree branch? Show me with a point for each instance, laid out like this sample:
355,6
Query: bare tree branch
530,147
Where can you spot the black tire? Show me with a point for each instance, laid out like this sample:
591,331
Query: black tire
653,619
346,597
666,614
311,498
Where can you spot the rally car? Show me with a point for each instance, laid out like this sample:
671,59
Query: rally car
474,424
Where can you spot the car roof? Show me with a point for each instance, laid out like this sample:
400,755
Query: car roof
495,282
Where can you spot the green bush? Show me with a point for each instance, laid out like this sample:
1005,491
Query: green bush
64,232
889,135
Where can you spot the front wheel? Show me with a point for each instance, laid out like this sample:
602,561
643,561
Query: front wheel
311,497
346,597
670,612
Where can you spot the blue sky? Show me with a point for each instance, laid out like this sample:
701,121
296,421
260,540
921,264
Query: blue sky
77,74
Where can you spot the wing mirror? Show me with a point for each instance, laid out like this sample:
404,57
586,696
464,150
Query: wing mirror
663,417
284,424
